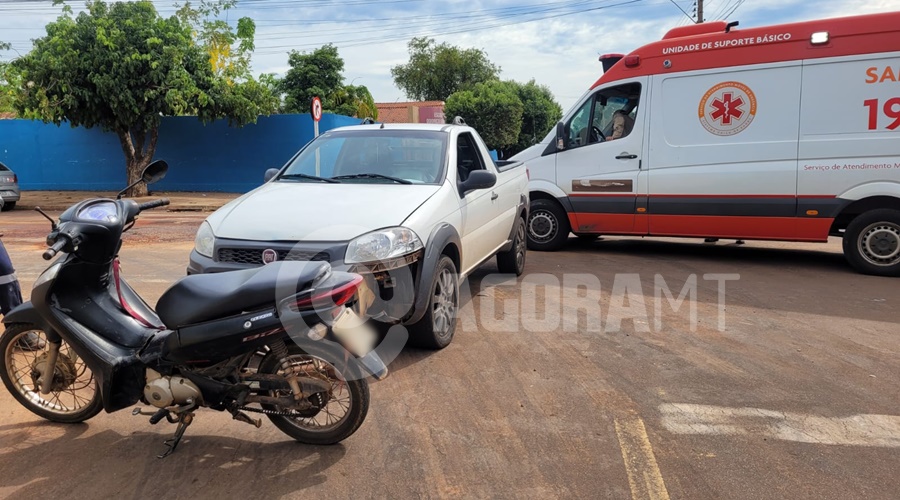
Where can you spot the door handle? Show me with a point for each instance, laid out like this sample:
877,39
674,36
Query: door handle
494,196
626,156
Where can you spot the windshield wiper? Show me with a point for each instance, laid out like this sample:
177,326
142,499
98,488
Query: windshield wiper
373,176
311,177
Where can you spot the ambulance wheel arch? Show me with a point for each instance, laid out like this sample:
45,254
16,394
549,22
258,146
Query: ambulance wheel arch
548,224
871,235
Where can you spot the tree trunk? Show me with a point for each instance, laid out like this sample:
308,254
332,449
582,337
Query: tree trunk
138,153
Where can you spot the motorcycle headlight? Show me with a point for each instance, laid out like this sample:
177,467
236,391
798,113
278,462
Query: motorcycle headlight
205,241
382,245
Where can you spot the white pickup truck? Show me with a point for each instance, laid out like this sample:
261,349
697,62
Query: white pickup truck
411,207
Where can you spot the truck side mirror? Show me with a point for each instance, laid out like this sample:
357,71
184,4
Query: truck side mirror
478,179
270,174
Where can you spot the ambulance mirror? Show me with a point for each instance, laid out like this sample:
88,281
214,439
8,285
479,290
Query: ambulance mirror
560,136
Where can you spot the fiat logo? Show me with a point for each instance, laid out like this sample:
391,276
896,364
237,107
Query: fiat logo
269,256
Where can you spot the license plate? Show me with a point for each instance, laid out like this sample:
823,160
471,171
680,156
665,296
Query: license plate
7,194
354,333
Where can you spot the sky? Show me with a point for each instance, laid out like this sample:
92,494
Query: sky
554,42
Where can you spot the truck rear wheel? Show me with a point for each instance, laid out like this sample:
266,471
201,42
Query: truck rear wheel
548,226
872,243
513,260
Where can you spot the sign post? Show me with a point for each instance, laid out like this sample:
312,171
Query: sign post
315,110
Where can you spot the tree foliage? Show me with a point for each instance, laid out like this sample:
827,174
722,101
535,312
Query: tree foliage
320,73
434,72
541,113
493,108
122,66
8,83
229,49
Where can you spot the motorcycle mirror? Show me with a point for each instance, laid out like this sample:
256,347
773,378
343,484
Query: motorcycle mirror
155,172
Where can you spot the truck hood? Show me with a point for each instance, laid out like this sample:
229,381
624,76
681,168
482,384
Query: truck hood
295,211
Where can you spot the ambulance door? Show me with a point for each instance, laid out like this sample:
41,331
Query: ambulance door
600,167
724,152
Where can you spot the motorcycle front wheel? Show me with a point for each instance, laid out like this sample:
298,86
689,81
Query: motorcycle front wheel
74,396
335,415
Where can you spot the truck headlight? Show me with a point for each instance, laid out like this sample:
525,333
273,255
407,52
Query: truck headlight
382,245
205,241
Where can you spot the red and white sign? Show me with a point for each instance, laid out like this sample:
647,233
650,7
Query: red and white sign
316,109
727,109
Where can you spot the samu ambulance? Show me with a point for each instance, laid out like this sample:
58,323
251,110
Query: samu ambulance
787,132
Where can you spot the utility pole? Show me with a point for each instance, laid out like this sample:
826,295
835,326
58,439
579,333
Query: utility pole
699,11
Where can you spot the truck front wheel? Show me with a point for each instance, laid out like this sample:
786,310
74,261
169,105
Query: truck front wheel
872,243
548,226
435,329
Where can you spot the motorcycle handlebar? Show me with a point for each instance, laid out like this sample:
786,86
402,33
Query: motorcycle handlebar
52,251
153,204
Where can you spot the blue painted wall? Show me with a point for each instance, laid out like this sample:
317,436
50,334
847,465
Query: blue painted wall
213,157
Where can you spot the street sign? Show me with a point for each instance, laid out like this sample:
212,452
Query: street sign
316,109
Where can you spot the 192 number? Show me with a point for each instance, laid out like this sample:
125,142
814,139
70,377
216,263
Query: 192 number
891,110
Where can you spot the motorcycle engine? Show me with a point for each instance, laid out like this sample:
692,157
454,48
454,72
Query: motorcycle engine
167,391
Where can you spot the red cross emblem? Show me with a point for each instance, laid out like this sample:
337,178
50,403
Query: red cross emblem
727,108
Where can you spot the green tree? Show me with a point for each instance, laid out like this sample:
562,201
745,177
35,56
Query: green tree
229,48
8,83
541,113
320,73
357,101
493,108
434,72
317,73
122,67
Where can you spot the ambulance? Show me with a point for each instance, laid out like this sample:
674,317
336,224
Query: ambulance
788,132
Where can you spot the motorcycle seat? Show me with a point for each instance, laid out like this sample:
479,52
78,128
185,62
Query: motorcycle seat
203,297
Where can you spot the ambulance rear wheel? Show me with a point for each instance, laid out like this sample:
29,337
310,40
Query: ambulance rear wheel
872,243
548,226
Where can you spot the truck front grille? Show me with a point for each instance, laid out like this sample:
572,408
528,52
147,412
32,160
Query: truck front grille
254,255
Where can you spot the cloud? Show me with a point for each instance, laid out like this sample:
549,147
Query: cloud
559,51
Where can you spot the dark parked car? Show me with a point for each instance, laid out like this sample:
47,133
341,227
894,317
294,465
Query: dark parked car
9,187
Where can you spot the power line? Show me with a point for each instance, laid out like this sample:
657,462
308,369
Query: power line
465,29
739,3
682,10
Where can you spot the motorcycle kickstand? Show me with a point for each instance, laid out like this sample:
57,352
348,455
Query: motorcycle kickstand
184,420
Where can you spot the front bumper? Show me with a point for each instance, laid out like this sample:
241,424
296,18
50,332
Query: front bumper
395,291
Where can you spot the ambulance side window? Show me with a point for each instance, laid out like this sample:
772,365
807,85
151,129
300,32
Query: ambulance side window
607,116
578,129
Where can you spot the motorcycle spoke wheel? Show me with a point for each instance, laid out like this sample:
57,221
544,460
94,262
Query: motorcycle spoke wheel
335,414
73,395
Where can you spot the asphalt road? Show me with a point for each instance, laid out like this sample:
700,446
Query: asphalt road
581,380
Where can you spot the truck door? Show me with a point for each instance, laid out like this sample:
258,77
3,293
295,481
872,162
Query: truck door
480,210
600,167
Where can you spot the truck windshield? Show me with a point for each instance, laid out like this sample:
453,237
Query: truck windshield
381,156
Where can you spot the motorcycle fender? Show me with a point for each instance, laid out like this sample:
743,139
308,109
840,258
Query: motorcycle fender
26,313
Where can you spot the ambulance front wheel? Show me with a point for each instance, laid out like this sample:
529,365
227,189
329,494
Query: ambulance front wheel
548,226
872,242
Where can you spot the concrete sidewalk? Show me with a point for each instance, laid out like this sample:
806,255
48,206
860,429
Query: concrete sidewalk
180,201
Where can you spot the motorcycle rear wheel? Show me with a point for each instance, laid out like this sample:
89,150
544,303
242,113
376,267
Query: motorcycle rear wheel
74,396
349,396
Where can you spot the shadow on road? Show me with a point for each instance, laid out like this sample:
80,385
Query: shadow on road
725,251
204,466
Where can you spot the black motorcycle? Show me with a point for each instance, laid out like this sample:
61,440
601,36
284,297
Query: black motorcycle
286,340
